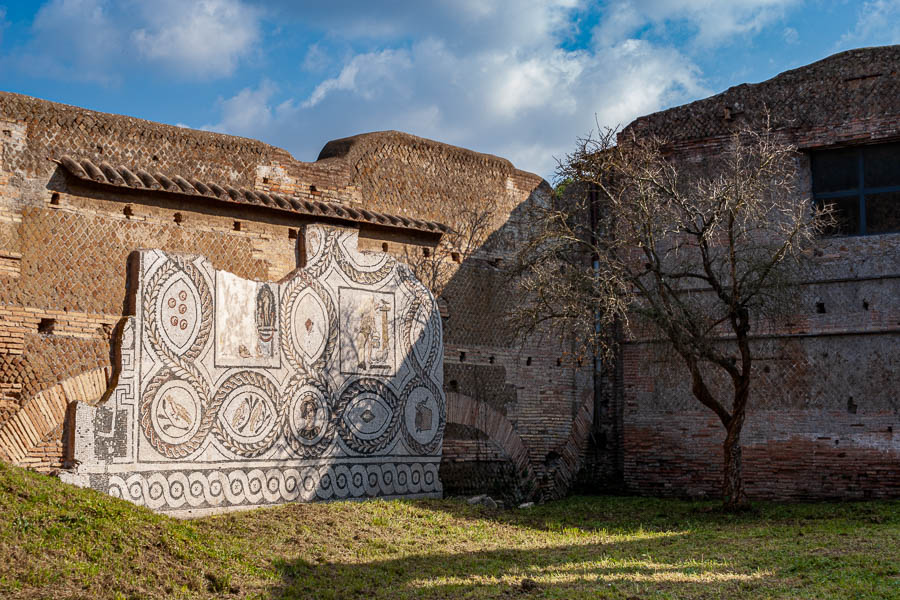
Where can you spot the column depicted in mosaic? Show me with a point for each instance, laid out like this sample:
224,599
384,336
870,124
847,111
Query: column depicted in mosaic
236,393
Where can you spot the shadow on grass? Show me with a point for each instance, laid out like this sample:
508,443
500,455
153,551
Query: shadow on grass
674,550
589,570
595,513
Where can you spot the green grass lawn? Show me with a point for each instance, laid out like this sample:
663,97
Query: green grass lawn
57,541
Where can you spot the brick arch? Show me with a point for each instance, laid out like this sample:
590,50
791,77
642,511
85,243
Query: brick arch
571,452
464,410
46,410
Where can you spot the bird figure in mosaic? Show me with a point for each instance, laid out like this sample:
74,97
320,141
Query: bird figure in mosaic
237,419
256,417
177,413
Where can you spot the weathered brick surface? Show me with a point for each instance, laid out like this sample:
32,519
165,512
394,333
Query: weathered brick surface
853,96
65,243
825,397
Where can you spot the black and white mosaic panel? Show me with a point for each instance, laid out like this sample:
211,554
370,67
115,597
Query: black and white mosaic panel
340,364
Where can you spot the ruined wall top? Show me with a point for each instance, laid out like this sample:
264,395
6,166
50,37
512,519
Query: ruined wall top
56,129
390,171
850,97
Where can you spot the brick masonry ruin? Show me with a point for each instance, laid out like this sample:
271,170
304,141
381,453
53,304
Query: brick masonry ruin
824,414
81,191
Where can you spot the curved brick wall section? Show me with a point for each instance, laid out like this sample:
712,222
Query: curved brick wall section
43,414
401,173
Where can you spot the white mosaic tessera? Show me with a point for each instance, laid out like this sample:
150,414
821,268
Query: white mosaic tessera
233,393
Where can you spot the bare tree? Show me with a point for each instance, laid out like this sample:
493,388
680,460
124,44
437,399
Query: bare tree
470,224
696,255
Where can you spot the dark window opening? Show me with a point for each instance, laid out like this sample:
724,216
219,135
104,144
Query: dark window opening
128,211
178,218
54,198
46,325
237,225
455,257
552,457
292,234
528,361
426,252
861,185
462,357
384,246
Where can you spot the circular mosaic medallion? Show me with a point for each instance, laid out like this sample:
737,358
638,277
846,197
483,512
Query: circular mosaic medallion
368,415
423,417
309,427
249,412
175,412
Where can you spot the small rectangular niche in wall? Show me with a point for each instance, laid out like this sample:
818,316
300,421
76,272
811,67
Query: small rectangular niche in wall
237,225
46,326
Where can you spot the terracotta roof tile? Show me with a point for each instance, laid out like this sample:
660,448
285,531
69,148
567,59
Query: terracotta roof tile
121,177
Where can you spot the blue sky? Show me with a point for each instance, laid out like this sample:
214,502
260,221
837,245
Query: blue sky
517,78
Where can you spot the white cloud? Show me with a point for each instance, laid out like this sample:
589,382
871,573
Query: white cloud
74,39
364,75
791,35
249,109
316,59
711,22
100,40
525,99
461,23
878,24
205,38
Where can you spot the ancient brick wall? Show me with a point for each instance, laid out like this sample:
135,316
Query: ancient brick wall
825,407
65,243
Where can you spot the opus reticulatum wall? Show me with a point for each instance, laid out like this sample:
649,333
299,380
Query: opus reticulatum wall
232,392
81,190
824,413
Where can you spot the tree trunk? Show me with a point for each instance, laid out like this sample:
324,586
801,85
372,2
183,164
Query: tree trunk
733,486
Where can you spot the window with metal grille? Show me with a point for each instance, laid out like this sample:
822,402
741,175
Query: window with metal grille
862,185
